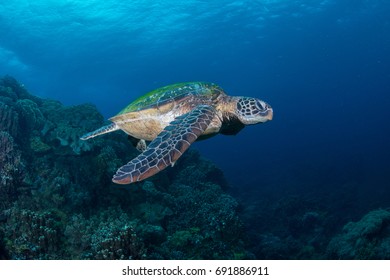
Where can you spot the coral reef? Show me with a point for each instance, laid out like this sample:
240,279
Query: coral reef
9,119
66,131
11,170
368,238
33,235
201,223
292,227
57,200
110,234
31,117
12,89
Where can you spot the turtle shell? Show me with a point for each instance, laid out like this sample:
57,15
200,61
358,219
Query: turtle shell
170,93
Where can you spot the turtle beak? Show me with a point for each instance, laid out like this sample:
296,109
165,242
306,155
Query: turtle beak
266,111
270,114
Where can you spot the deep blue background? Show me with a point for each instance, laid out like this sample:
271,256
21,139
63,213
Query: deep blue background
324,66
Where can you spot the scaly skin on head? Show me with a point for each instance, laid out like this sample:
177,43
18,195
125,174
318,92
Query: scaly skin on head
247,110
253,110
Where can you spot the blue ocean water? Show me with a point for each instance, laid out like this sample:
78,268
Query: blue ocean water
323,65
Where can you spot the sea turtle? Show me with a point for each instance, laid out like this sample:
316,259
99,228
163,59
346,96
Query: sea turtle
173,117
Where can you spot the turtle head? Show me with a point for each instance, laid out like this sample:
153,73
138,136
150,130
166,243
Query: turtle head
252,110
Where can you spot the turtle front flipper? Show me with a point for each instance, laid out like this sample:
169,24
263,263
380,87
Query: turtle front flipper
103,130
168,146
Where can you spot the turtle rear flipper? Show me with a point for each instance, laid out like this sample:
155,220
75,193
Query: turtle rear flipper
168,146
103,130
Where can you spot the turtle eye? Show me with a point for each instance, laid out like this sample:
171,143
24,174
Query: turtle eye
259,105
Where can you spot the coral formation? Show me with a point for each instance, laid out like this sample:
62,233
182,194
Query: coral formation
9,119
33,234
368,238
11,170
57,200
291,228
31,117
66,131
110,234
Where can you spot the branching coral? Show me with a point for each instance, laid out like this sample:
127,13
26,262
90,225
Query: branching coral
104,237
33,235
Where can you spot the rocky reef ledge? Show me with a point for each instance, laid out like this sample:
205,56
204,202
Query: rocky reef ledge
57,200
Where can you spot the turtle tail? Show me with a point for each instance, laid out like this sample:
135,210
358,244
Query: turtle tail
103,130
